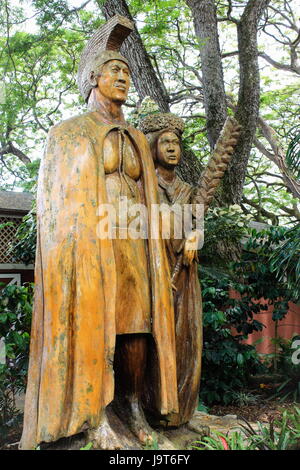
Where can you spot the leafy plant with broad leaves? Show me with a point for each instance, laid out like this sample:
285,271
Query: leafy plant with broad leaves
227,362
289,389
293,152
258,279
232,302
285,261
15,321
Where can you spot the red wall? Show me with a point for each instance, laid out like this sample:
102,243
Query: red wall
286,328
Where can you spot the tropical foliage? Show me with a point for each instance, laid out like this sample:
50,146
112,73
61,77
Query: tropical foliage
41,43
232,302
227,362
15,321
279,434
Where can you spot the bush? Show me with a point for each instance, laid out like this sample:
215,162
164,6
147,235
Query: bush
279,434
15,321
227,362
257,273
285,261
290,387
24,247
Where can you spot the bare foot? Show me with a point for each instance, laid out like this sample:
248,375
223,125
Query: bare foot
131,412
104,437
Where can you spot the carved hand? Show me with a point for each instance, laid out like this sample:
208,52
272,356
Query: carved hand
191,247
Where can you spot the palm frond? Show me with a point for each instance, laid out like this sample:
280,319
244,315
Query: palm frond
293,154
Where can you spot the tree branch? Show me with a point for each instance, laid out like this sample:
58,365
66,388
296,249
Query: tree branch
289,68
277,157
11,149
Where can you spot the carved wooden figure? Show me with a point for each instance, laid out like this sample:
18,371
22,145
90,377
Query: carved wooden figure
103,307
164,133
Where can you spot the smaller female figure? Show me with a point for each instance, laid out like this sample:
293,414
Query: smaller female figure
164,132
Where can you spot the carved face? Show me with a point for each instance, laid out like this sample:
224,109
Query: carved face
114,81
168,150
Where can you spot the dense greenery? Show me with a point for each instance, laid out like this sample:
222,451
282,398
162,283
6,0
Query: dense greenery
285,365
24,246
286,261
15,321
41,43
281,434
227,362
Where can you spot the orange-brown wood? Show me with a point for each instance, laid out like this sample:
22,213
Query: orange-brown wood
166,152
82,281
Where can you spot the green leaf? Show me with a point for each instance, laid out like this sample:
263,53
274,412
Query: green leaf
240,359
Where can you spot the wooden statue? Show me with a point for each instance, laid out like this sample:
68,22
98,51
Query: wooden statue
103,307
164,133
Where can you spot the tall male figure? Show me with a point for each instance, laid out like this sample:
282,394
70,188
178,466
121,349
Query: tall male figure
103,307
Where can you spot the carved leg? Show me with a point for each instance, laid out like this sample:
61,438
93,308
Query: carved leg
104,437
130,364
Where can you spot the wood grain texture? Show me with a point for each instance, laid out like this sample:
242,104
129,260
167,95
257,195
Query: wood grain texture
70,378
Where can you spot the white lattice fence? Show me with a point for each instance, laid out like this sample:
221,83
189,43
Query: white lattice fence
7,233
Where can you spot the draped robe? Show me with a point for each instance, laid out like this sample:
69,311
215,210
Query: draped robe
187,306
71,378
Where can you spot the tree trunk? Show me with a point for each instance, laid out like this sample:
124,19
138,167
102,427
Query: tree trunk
248,100
205,22
143,74
146,81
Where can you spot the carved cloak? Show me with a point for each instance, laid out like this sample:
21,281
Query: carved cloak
70,378
188,309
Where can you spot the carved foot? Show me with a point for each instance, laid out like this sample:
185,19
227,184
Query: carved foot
104,437
130,412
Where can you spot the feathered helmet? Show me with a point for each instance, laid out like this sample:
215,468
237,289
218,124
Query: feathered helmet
162,122
102,47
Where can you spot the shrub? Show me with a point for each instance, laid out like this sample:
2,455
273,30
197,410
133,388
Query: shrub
15,320
285,262
227,362
23,249
279,434
285,365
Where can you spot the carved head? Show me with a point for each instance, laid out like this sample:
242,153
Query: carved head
112,79
164,131
168,149
102,63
